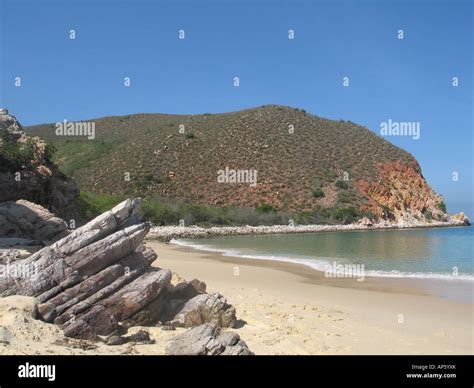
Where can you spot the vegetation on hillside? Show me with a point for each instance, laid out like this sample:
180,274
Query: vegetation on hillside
162,212
91,205
79,154
308,173
18,155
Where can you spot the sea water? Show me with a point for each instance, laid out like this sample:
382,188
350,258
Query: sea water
437,253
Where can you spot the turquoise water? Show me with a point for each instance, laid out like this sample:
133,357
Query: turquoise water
415,253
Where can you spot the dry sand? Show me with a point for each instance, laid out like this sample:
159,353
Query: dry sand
291,309
21,334
283,308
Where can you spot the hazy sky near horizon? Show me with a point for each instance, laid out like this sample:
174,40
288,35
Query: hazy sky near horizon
403,80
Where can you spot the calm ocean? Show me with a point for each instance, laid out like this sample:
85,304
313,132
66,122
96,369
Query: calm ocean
437,253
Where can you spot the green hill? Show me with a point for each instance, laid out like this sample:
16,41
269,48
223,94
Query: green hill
305,164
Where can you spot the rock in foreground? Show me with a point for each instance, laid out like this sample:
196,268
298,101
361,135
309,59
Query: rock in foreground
30,223
98,281
207,339
212,308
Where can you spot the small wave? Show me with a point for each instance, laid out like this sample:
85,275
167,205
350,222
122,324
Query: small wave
321,265
420,275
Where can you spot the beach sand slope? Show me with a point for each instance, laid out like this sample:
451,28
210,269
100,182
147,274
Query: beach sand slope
284,311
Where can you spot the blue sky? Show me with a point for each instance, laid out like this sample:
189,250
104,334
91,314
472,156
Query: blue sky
389,78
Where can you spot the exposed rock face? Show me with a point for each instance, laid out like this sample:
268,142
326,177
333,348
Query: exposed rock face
365,221
402,192
9,122
201,309
93,278
207,339
322,167
98,281
26,220
10,255
290,167
461,218
26,171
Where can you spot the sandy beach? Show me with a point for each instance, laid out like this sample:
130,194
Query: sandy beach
286,308
282,309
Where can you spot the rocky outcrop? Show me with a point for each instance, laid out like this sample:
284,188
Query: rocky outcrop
200,309
27,221
27,172
168,233
98,281
207,339
9,123
401,194
365,221
93,278
8,256
461,218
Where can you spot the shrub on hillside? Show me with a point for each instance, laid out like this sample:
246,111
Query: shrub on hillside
342,185
265,208
198,214
345,215
91,205
318,216
387,213
159,213
343,197
15,155
318,193
441,206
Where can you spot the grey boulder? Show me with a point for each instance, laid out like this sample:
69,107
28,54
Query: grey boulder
207,340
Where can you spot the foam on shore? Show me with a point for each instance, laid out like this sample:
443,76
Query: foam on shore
321,264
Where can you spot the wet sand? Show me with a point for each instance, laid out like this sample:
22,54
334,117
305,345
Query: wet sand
288,308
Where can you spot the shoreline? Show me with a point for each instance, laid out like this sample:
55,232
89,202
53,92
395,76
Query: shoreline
167,233
289,309
434,284
310,266
451,289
